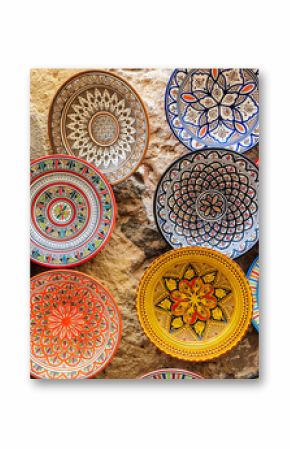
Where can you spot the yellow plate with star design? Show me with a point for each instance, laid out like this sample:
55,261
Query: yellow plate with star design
194,303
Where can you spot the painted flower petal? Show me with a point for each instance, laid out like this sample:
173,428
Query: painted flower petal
189,97
215,73
189,272
190,315
221,293
248,109
209,277
179,308
185,287
165,304
176,323
208,102
199,328
241,128
217,314
212,114
170,283
178,296
217,93
191,116
248,88
202,312
209,302
198,82
229,99
233,76
226,113
206,289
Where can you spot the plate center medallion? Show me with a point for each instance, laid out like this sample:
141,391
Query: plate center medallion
104,128
61,212
211,205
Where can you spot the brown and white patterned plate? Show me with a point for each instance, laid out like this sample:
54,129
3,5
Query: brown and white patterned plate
99,117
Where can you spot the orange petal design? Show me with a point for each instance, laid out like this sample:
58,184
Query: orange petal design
248,88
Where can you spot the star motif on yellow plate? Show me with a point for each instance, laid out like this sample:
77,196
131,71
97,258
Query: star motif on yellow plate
193,300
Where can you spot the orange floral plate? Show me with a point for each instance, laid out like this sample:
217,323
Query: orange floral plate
194,303
75,325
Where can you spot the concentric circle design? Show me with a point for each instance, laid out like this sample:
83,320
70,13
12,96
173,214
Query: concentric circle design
214,108
75,325
209,198
61,212
171,374
99,117
194,304
72,211
253,277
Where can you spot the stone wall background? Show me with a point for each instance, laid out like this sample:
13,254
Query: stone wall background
136,241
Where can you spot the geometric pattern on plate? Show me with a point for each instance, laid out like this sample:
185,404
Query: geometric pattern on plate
72,211
209,198
214,108
253,277
75,325
194,303
171,374
99,117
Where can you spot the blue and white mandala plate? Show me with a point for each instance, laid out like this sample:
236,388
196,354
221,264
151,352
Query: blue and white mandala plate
209,198
214,108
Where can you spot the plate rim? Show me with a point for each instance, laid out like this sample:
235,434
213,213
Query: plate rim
76,264
95,279
192,153
168,370
253,263
105,72
152,336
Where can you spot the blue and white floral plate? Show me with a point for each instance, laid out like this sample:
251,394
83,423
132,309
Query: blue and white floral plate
214,108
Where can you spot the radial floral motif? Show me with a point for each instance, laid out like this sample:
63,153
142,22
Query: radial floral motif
72,211
100,118
75,325
214,107
65,321
192,300
194,303
209,198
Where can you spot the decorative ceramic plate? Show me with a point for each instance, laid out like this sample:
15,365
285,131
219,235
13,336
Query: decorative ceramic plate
209,198
75,325
253,276
72,211
214,108
194,304
99,117
171,374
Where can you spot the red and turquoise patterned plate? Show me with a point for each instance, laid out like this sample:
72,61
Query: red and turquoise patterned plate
73,211
171,374
253,277
75,325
